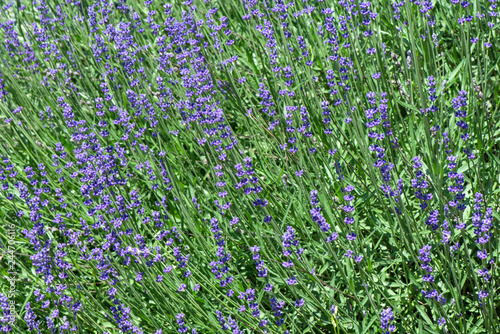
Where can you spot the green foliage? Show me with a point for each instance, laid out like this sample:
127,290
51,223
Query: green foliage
209,112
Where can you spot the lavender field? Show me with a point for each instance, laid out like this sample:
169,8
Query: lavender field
249,166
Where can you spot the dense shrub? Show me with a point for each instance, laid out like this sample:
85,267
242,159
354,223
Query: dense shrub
275,166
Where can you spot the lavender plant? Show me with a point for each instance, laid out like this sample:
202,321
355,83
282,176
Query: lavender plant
275,166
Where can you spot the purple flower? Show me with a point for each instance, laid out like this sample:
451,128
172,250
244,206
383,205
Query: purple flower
386,317
351,236
482,254
300,302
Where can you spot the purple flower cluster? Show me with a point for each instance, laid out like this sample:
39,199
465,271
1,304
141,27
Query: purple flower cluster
159,94
426,258
319,219
220,267
386,318
259,263
420,183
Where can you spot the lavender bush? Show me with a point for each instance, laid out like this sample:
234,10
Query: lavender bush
274,166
